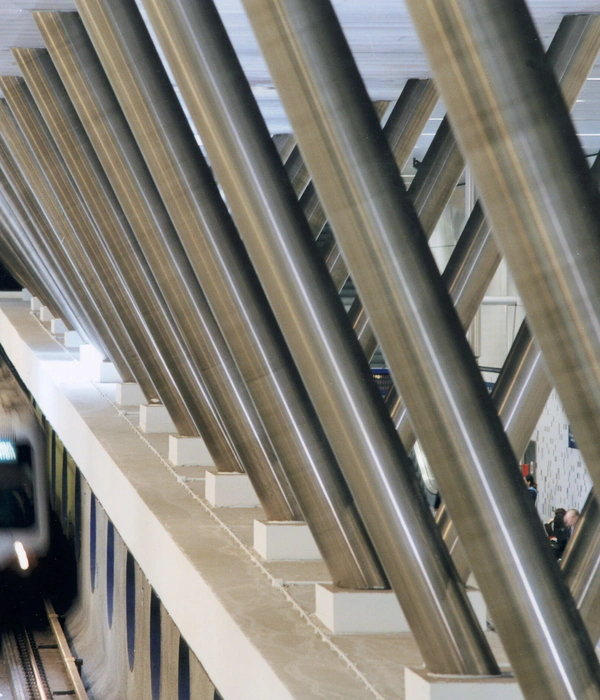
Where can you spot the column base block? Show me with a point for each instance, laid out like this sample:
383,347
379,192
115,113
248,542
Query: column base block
96,367
285,541
46,315
189,452
230,490
129,394
72,339
154,418
26,295
35,304
346,611
479,606
57,326
421,685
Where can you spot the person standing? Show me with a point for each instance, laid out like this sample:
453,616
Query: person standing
531,487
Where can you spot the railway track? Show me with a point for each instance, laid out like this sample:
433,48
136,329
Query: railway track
39,663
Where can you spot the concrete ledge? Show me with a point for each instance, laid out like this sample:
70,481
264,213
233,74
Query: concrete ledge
285,541
35,304
230,490
57,326
420,685
26,295
221,602
46,315
345,611
154,418
72,339
129,394
189,452
97,368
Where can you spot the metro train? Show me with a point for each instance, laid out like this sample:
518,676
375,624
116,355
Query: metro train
24,508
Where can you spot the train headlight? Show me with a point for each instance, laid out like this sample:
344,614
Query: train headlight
21,555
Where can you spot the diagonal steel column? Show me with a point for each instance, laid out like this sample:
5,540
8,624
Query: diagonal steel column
33,236
581,560
316,327
107,128
169,359
571,54
424,342
520,140
430,192
581,564
476,257
50,221
220,262
519,395
148,314
402,130
20,258
96,272
18,263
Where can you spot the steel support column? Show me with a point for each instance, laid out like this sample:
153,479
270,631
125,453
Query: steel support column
424,342
220,262
158,341
50,222
320,337
91,92
96,271
502,98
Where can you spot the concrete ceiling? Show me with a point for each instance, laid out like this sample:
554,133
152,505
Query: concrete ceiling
381,35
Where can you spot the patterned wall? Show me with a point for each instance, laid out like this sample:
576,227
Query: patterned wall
561,474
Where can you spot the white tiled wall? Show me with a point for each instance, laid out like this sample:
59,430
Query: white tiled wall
561,474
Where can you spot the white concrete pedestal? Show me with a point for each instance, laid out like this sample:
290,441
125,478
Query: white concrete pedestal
479,606
230,490
284,541
72,339
420,685
129,394
35,304
154,418
95,366
189,452
46,315
57,326
26,295
346,611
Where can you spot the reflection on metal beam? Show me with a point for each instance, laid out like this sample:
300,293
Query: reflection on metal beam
218,257
316,327
424,342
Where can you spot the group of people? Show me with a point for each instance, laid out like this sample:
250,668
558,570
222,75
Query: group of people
559,528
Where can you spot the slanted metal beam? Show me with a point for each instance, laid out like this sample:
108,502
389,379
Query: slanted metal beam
520,142
57,226
423,339
92,94
316,328
476,257
306,463
96,271
32,225
158,340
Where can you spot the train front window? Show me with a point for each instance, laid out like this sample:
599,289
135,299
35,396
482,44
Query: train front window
16,486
